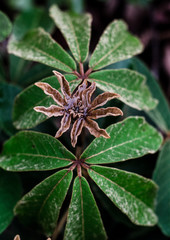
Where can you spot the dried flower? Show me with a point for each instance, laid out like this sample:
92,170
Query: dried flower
77,106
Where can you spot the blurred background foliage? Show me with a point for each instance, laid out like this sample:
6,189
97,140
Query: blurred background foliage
150,21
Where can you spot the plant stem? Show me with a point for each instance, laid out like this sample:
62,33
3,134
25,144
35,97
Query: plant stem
59,226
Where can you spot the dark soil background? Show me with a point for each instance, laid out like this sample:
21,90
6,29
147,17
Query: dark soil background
150,21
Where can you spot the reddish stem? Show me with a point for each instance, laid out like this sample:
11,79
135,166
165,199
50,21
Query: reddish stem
81,68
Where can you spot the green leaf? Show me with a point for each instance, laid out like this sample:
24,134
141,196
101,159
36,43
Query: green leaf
5,26
77,6
24,116
7,95
131,138
162,178
84,221
115,44
21,5
129,84
128,198
10,192
43,203
161,114
37,45
30,20
33,151
76,30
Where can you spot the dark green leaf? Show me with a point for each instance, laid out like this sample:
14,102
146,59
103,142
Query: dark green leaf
131,138
84,221
30,20
5,26
7,95
43,203
77,6
10,192
24,116
115,44
162,177
37,45
161,114
128,198
76,30
33,151
129,84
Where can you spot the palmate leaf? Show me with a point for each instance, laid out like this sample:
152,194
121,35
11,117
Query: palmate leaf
5,26
131,138
131,193
115,44
33,151
41,206
24,116
10,192
84,221
76,30
37,45
129,84
162,177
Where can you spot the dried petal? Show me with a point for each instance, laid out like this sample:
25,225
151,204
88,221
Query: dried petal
87,93
17,237
103,112
94,129
76,130
80,89
51,111
51,92
65,89
65,124
103,98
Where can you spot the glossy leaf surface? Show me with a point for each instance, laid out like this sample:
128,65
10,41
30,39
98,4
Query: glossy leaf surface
45,50
42,204
76,30
5,26
84,221
33,151
115,44
130,85
24,116
128,199
131,138
162,177
10,192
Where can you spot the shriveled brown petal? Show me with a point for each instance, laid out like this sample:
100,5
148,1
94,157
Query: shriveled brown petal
65,88
53,110
103,112
17,237
52,92
87,93
80,89
103,98
94,129
65,124
76,130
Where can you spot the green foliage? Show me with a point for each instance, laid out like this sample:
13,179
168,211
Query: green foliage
42,203
115,44
84,213
124,143
76,30
5,26
37,152
129,84
162,178
10,193
131,138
